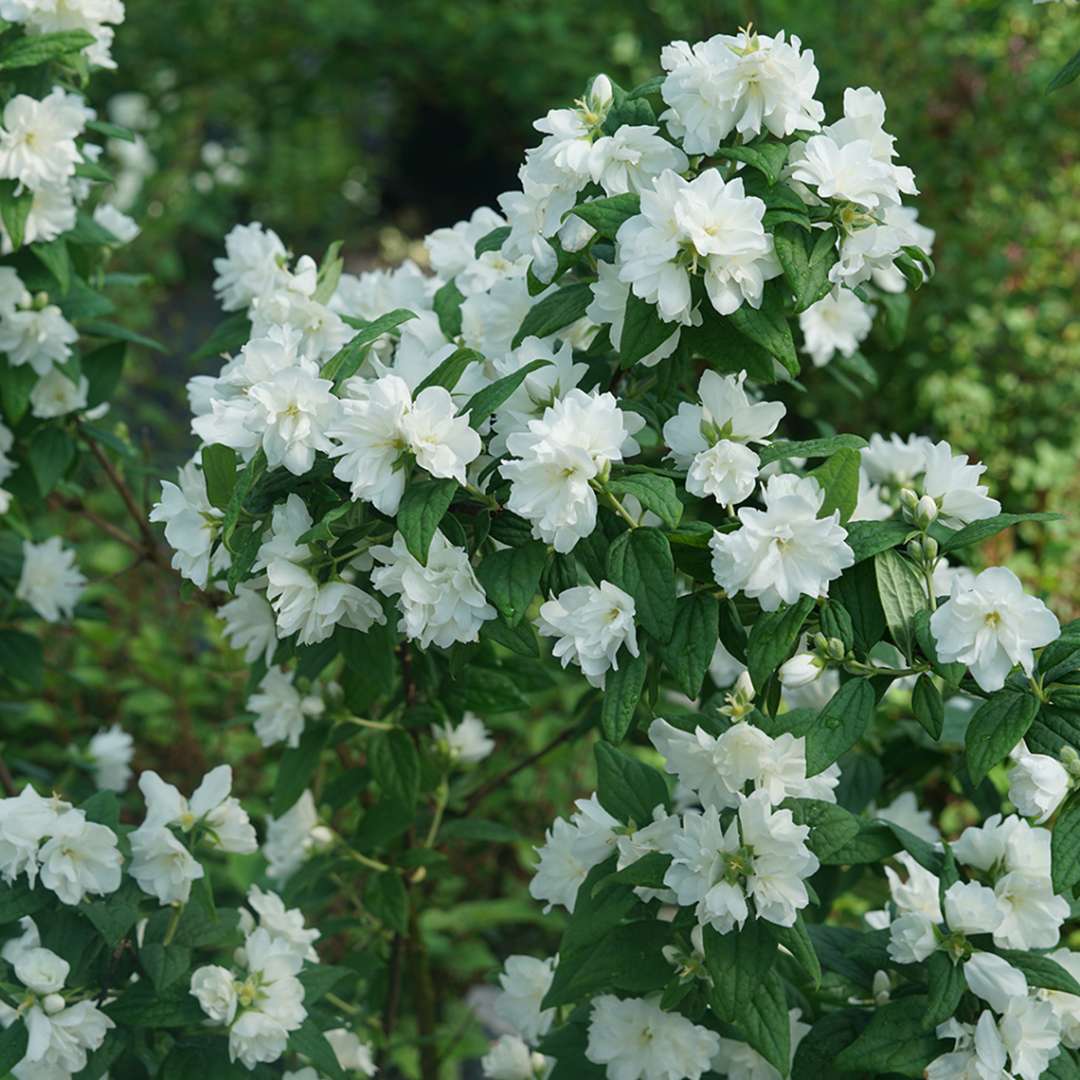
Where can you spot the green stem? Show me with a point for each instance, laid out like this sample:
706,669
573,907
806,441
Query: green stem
618,507
856,667
174,922
442,796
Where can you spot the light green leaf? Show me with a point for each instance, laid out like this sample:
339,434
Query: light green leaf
903,595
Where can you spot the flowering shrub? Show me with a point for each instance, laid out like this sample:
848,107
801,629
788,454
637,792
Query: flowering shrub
409,487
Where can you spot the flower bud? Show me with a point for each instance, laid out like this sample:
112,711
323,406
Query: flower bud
930,548
915,550
836,649
926,512
882,987
53,1003
744,686
601,94
801,670
908,500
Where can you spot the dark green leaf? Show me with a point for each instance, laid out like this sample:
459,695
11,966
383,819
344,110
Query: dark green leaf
689,651
551,314
978,531
643,331
1065,847
396,766
831,826
807,259
946,983
348,358
996,727
13,1046
839,478
893,1042
626,787
769,158
33,49
511,578
622,691
296,768
772,637
492,241
447,306
165,964
219,471
308,1041
737,963
655,493
103,368
840,724
768,327
606,215
1066,75
15,209
867,538
21,658
809,448
484,402
422,508
640,563
1041,971
52,450
450,370
385,898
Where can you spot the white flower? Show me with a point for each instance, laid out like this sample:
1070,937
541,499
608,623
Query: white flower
352,1054
628,159
912,938
510,1058
380,423
1033,914
903,224
637,1040
110,752
191,526
80,858
284,924
837,323
1067,1006
37,335
1031,1032
574,442
785,550
54,394
37,138
311,609
991,626
801,670
740,1061
293,836
440,602
524,981
608,308
452,251
954,484
871,506
162,866
742,84
25,820
979,1053
292,413
41,970
971,908
117,222
904,811
994,979
591,624
249,622
59,1043
1038,783
707,439
50,582
375,292
253,265
919,893
214,988
536,212
281,711
848,172
466,743
895,461
721,229
761,855
571,849
256,1037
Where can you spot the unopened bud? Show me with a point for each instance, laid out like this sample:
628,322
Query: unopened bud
930,548
744,686
801,670
601,93
882,987
53,1003
836,649
915,550
1071,760
909,500
821,643
926,512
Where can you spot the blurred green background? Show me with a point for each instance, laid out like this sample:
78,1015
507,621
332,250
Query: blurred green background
374,122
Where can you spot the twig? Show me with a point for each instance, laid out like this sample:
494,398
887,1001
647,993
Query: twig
76,506
6,778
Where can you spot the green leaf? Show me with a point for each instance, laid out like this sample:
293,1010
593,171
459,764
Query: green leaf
551,314
21,658
34,49
607,215
769,158
103,368
423,506
689,651
142,1005
928,707
718,341
867,538
102,328
622,691
840,724
492,241
484,402
447,306
768,327
385,898
308,1041
839,478
832,827
655,493
15,209
772,637
951,673
52,450
643,330
165,964
996,727
737,963
946,986
903,595
219,471
809,448
893,1042
227,337
115,916
626,787
1066,75
511,578
13,1046
640,563
296,768
832,1031
55,258
807,260
111,131
395,765
318,980
348,358
797,941
978,531
763,1021
647,871
450,370
1065,847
